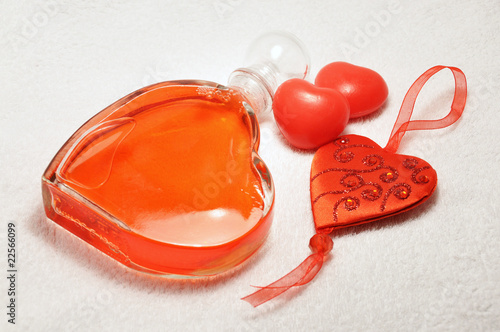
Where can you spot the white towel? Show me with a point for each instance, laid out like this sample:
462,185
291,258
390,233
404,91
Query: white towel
435,268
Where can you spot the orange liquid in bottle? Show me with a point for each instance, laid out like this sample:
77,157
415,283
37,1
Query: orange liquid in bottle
167,180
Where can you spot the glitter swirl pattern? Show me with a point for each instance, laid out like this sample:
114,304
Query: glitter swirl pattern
364,176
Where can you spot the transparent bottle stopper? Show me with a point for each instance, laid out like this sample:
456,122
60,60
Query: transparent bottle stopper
271,59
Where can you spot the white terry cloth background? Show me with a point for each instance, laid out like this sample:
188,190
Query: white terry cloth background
435,268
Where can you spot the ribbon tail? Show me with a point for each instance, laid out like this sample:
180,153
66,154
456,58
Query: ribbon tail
320,244
301,275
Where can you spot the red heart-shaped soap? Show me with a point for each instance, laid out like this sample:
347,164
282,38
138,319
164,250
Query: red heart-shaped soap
309,116
355,181
364,88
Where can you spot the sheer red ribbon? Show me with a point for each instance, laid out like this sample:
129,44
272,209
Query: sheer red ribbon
321,243
403,123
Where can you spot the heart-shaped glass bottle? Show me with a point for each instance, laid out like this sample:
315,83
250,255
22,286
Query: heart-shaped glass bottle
167,180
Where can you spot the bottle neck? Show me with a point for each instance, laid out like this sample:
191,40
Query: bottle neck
257,83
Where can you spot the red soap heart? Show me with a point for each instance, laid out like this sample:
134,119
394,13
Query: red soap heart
355,181
364,88
309,116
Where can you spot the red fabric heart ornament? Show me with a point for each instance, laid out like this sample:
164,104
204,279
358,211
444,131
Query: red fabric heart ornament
355,181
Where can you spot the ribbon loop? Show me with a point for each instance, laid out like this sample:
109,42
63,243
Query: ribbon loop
403,123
